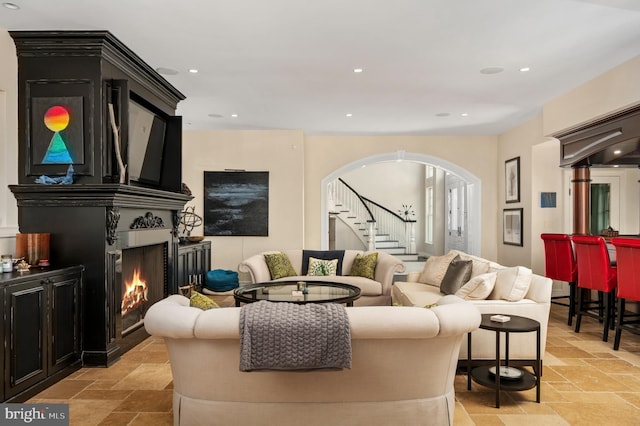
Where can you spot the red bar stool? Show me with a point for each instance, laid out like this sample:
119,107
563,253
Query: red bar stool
595,273
560,264
628,264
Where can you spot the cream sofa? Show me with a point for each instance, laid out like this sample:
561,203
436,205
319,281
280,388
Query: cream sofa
373,292
535,304
402,371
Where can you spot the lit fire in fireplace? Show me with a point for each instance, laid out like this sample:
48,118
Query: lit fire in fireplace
135,293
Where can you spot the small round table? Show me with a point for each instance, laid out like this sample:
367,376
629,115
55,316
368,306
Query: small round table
299,292
508,378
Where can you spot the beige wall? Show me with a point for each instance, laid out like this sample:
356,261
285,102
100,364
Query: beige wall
326,154
8,141
279,152
612,91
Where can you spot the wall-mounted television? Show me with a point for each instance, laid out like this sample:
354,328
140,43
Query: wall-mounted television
154,147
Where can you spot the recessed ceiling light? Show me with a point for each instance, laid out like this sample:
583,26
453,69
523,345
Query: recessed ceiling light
234,115
617,152
216,115
349,115
465,114
525,69
193,71
491,70
357,70
166,71
11,6
443,114
616,165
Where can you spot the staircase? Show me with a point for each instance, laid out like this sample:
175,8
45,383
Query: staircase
377,227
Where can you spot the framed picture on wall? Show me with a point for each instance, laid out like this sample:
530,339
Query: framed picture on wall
512,227
512,180
236,203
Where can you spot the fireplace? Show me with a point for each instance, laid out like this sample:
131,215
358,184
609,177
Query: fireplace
142,281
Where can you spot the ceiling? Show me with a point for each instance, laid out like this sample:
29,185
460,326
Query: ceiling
289,64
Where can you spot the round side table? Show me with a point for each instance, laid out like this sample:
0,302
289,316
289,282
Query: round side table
507,378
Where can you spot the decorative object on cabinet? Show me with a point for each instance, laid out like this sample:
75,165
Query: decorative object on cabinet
189,220
236,203
512,227
33,247
512,180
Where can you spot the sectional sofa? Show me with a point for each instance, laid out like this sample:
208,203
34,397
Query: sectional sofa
403,365
490,287
375,289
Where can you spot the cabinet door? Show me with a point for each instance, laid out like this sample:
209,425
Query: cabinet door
65,321
25,359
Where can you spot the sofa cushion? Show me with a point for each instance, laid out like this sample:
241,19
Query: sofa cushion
322,254
201,301
480,265
478,287
279,265
322,267
405,293
458,273
512,283
435,268
364,265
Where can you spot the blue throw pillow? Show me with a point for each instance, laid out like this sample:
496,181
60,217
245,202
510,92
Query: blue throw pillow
324,255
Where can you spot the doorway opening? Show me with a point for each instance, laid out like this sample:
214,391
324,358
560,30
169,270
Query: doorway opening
468,192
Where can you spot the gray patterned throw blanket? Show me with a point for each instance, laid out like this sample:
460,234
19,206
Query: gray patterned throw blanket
287,336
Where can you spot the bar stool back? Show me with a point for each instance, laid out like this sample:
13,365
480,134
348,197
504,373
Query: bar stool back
628,264
560,264
595,272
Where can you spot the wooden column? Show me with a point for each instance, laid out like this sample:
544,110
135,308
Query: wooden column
581,193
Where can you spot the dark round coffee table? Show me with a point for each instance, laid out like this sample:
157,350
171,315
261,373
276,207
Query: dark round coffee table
299,292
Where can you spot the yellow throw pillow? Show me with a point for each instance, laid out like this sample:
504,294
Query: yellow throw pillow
279,265
201,301
364,266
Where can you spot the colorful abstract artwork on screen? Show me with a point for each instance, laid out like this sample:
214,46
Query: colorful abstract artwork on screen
57,119
57,130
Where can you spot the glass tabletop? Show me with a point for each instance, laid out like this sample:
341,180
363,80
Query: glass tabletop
298,292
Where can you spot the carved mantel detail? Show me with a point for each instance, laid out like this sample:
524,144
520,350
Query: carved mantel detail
113,217
149,220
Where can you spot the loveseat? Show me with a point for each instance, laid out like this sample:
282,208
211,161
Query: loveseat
492,288
375,290
402,370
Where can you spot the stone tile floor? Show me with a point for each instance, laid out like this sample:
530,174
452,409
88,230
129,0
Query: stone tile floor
585,382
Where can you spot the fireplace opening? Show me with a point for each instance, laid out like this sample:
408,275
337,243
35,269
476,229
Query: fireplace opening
144,280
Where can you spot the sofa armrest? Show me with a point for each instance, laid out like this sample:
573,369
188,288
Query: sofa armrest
540,289
386,267
256,267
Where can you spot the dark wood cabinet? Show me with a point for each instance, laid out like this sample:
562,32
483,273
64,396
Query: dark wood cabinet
194,261
41,329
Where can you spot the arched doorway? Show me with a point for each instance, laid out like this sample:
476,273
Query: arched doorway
472,191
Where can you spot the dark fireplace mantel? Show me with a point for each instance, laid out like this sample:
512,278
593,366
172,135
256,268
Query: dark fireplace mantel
89,224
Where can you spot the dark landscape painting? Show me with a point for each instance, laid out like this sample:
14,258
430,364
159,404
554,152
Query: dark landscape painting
236,203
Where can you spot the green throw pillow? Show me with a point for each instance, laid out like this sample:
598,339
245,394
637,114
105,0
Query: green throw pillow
322,267
364,266
201,301
279,265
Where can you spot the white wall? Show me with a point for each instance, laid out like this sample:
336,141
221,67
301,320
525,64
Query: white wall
8,142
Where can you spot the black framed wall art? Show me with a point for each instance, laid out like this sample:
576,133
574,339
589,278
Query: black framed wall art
512,180
512,227
236,203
